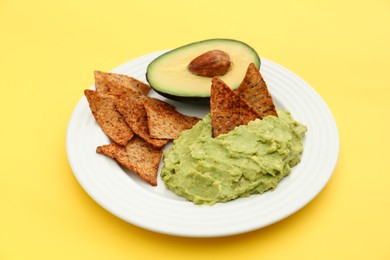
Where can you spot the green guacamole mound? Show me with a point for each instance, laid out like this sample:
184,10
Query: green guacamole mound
250,159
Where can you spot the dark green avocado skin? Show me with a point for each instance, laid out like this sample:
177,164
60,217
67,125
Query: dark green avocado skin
192,99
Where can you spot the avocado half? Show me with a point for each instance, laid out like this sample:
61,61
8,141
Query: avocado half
169,75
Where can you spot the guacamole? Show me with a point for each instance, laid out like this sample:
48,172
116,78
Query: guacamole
250,159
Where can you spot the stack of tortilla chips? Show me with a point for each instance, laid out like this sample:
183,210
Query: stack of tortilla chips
138,126
251,100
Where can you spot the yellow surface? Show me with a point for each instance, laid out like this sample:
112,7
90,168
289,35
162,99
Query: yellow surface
48,50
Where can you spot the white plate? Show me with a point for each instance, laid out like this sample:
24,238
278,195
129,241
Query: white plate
160,210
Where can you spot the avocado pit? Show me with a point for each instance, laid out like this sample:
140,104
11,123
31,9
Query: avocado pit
210,64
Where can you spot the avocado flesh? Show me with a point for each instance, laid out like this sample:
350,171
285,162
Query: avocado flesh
169,76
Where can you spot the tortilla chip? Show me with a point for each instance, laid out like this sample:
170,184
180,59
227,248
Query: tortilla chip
166,122
227,109
138,156
114,84
254,91
108,118
133,111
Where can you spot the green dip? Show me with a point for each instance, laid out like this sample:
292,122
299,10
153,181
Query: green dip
250,159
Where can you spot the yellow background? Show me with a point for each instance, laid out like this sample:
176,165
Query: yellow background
48,51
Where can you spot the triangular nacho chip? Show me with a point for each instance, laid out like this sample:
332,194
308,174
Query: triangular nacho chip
166,122
131,107
108,118
227,109
138,156
114,84
254,91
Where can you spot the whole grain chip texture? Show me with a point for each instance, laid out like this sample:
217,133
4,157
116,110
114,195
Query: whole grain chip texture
131,107
108,118
138,156
254,91
114,84
227,109
166,122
